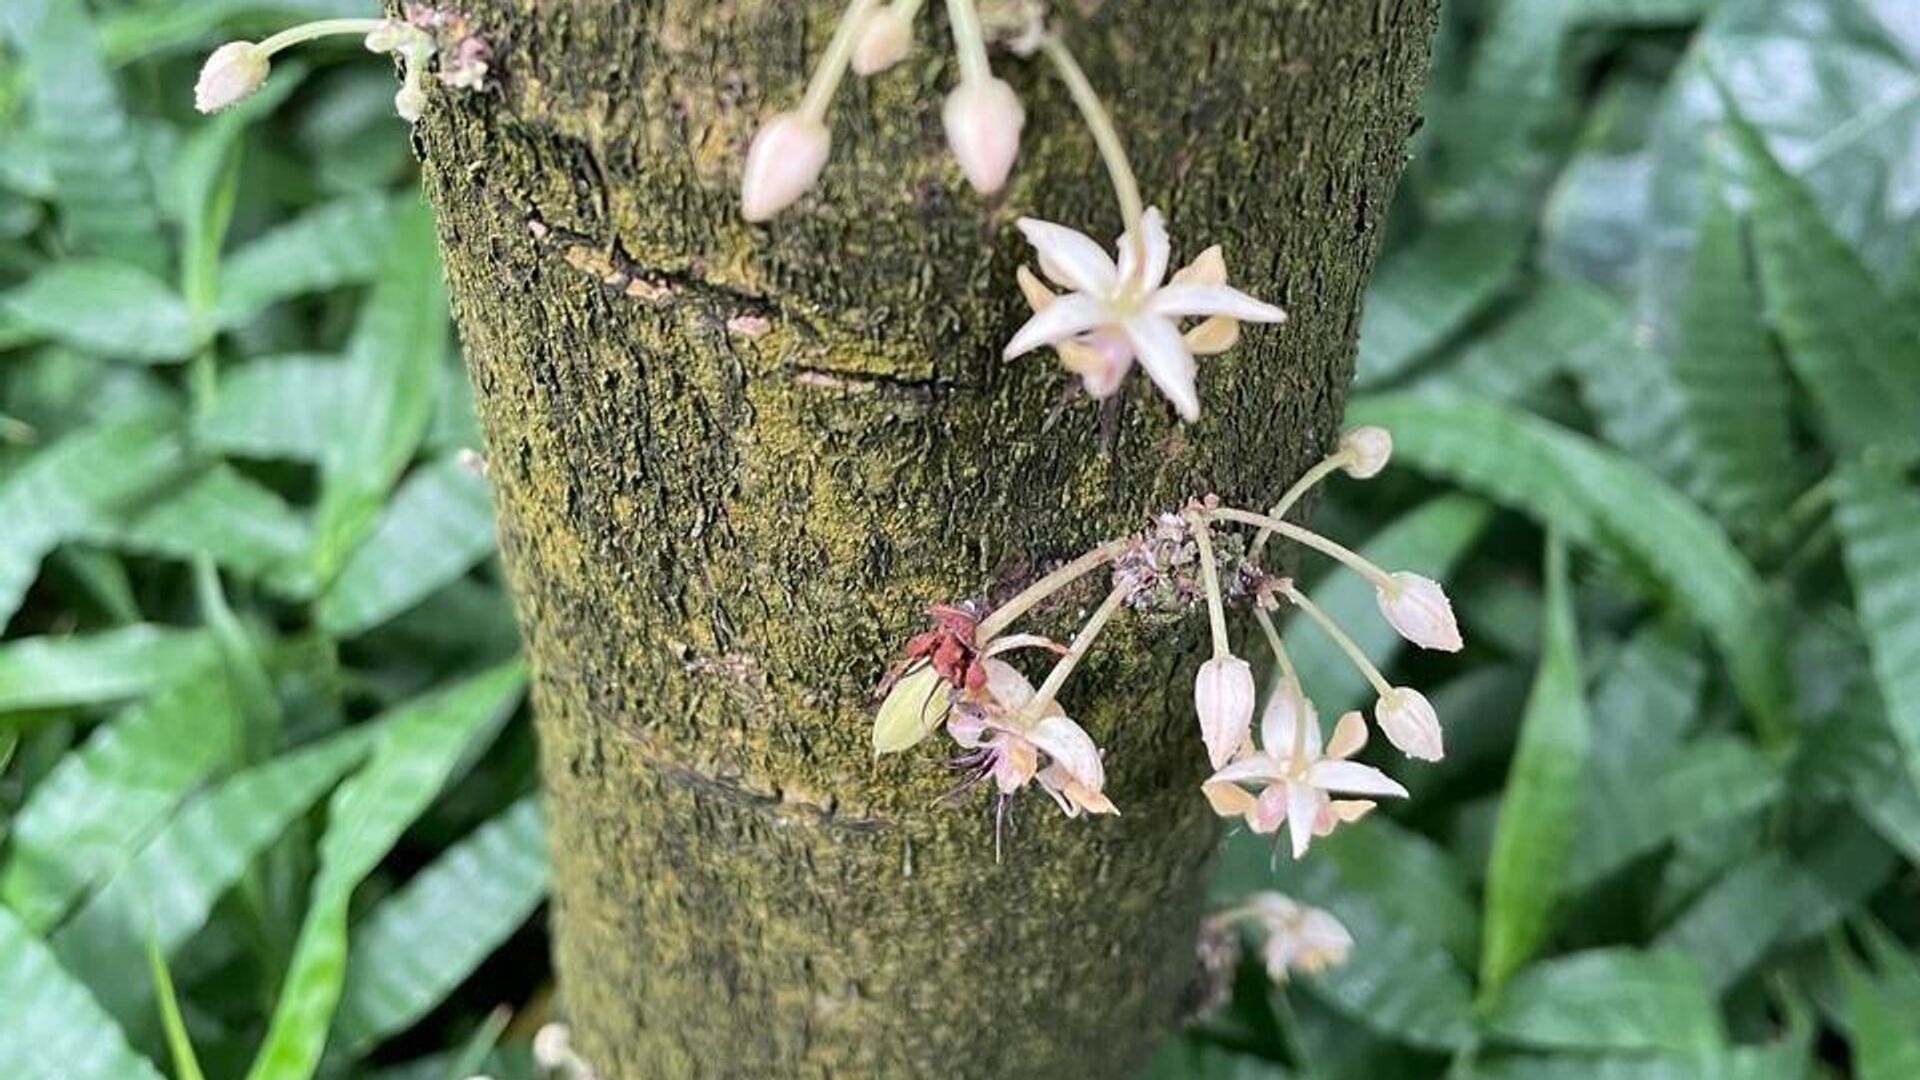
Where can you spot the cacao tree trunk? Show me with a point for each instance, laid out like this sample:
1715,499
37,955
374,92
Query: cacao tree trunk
734,463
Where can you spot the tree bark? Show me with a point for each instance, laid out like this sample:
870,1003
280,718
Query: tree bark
734,463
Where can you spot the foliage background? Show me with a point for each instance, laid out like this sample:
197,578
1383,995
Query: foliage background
1646,334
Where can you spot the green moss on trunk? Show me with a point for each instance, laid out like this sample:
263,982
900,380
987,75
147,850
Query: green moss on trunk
733,464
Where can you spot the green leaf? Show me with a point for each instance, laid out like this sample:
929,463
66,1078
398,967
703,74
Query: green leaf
1606,1000
52,1029
436,528
1733,391
144,29
104,307
102,185
1194,1059
1558,327
1789,1061
1540,807
242,525
1886,1045
71,486
1628,812
94,669
1429,539
1630,390
276,407
165,894
1594,496
1424,294
422,942
419,747
1879,518
1647,699
93,811
392,373
186,1066
338,243
1853,348
1413,880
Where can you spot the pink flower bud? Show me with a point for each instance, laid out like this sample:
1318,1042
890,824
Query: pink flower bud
232,73
1410,723
1367,449
983,121
784,161
1223,697
885,40
1418,608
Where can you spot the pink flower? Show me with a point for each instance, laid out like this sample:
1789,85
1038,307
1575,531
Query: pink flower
1292,780
1117,313
1298,937
1009,745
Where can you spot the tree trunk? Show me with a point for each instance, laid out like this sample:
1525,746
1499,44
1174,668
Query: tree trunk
734,463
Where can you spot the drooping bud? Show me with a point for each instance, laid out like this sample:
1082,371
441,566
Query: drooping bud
885,39
1367,449
231,74
784,161
1408,719
1418,608
913,709
983,121
1223,698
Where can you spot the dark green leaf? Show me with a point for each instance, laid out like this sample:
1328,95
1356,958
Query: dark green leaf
94,669
52,1030
1609,1000
109,308
278,407
436,528
1425,293
1879,516
339,243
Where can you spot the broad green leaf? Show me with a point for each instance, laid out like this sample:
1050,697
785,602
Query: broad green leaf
438,525
419,746
1425,293
70,486
52,1030
1629,812
277,407
1647,700
166,893
1594,496
1557,328
1398,982
1780,899
1879,517
186,1065
108,308
139,30
1540,805
423,941
1853,348
93,669
1783,1062
1630,390
244,526
1886,1044
1413,880
1429,539
86,819
338,243
103,189
1733,391
1609,1000
1194,1059
392,373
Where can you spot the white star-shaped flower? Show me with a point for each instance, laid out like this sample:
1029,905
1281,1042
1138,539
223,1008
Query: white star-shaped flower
1118,313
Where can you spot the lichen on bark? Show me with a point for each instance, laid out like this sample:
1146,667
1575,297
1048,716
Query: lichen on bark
734,463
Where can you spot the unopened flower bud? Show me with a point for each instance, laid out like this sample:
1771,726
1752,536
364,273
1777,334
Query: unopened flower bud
232,73
1408,719
1223,697
784,161
913,709
983,121
1367,449
1418,608
885,39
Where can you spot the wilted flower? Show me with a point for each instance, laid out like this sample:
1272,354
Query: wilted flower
1293,779
1223,697
1367,449
1418,608
784,161
1008,745
1410,723
232,73
1298,937
1123,312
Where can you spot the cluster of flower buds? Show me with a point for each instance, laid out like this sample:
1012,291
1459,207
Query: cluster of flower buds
1293,774
427,38
1113,312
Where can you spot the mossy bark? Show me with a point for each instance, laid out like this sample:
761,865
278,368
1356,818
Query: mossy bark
733,464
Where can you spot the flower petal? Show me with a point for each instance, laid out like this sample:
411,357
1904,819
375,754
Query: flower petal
1353,778
1071,748
1070,257
1183,301
1070,315
1159,249
1349,735
1227,800
1163,352
1278,724
1038,296
1303,808
1207,268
